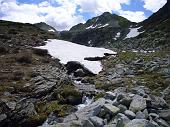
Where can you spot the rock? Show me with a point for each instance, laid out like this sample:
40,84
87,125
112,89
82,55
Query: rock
87,123
126,101
72,66
165,114
122,108
121,120
140,115
91,110
110,95
2,117
152,124
11,105
130,114
146,113
162,123
138,103
113,110
79,73
137,123
153,116
97,122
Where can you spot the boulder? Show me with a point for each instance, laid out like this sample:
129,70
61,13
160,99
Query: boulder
79,73
137,123
110,95
130,114
97,122
140,115
165,114
113,110
138,103
87,123
2,117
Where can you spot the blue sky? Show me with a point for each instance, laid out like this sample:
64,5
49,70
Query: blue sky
63,14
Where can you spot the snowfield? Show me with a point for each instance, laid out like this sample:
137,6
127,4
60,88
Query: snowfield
68,51
133,32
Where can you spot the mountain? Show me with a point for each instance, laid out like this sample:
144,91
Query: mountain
99,31
46,27
110,30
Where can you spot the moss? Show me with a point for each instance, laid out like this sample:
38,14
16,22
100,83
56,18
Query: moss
99,95
100,85
152,80
128,56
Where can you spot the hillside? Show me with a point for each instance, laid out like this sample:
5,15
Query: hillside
99,31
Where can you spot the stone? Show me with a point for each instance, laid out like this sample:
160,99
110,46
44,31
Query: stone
153,116
146,113
152,124
162,123
126,101
140,115
91,110
165,114
138,103
137,123
121,120
79,73
97,122
110,95
87,123
122,108
113,110
2,117
11,105
130,114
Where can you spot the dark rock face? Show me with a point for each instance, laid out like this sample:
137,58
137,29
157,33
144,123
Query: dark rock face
72,66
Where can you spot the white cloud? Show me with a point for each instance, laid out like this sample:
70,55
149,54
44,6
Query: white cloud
64,14
61,17
100,6
136,16
153,5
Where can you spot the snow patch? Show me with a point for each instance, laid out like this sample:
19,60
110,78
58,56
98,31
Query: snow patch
103,26
117,35
51,30
68,51
133,32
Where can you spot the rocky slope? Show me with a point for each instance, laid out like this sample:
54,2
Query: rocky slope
99,31
110,30
32,84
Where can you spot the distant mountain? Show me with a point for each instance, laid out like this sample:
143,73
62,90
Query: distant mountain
46,27
99,31
110,30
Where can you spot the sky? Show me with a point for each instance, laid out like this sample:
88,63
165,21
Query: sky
63,14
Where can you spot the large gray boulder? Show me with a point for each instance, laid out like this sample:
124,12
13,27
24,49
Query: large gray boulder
113,110
98,122
137,123
138,103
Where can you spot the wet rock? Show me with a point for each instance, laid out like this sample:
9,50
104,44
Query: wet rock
113,110
130,114
97,122
138,103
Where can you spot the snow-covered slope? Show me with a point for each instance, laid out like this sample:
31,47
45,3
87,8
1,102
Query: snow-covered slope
133,32
68,51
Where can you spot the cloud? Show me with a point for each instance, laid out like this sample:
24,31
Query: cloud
100,6
136,16
153,5
63,14
62,17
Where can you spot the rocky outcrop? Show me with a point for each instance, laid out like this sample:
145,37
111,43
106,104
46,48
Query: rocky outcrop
107,112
